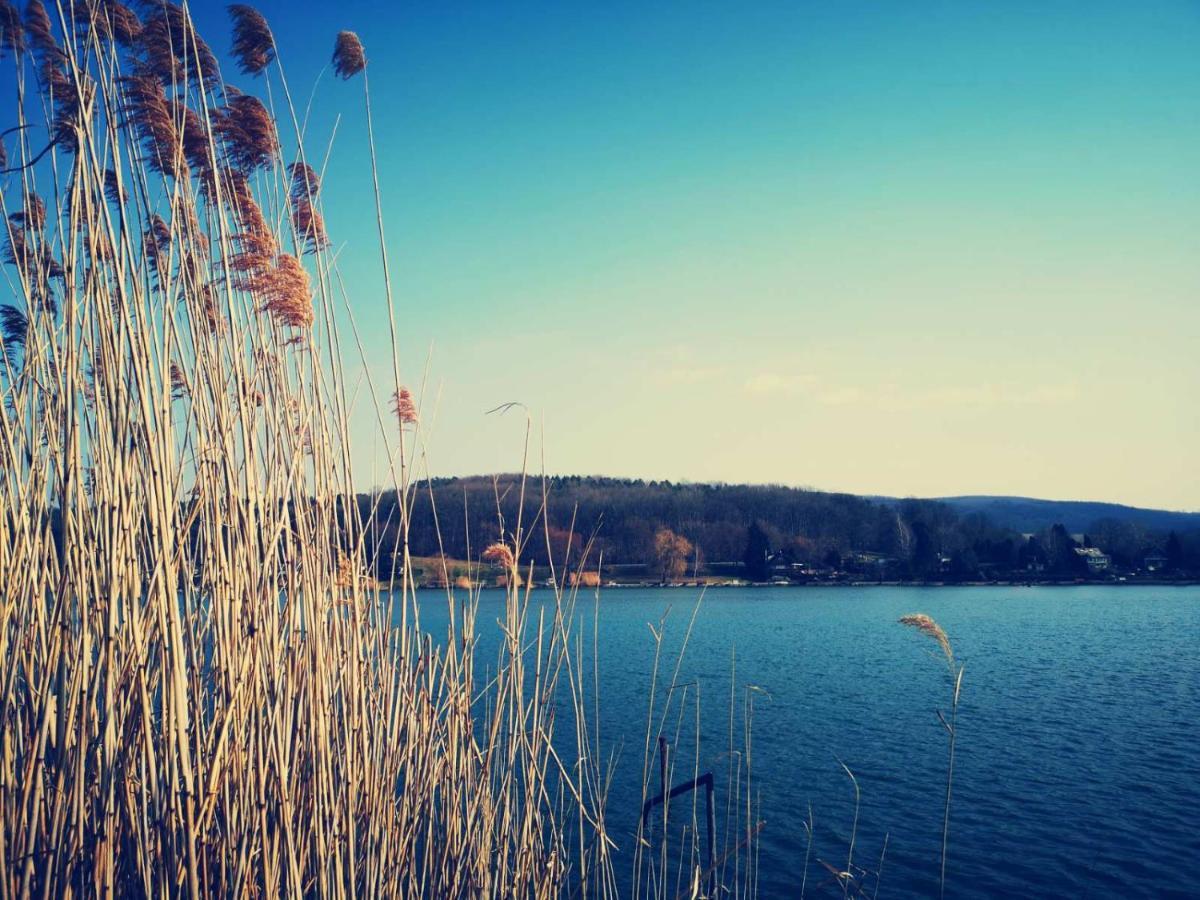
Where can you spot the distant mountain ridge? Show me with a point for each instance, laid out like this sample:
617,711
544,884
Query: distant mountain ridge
1028,514
1025,515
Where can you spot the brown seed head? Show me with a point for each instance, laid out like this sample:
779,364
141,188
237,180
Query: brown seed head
248,133
179,384
250,265
35,260
14,326
500,554
124,24
16,250
39,29
926,625
246,211
306,184
195,137
155,243
171,50
150,115
286,292
12,34
309,225
89,17
33,216
186,224
253,43
348,56
96,240
112,188
345,571
64,97
213,320
258,237
404,407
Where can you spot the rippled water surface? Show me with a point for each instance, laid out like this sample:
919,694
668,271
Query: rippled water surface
1078,762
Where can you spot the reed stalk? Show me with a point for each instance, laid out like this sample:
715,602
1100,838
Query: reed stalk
206,689
927,626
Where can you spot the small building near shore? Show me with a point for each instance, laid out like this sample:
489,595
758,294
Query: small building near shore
1096,560
1154,563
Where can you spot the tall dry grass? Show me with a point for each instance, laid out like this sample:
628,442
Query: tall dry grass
203,693
927,626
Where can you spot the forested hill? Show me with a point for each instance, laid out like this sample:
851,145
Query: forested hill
718,522
1029,515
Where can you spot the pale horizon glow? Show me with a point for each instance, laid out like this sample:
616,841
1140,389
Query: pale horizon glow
918,249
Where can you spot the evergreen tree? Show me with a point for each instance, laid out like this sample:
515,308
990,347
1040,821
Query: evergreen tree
924,562
1174,552
757,555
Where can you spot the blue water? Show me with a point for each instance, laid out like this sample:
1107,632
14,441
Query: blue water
1078,758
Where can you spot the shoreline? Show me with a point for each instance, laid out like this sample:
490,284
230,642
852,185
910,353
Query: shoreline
627,585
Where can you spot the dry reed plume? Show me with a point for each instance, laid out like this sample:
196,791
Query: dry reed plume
406,413
348,56
927,626
501,555
253,43
203,693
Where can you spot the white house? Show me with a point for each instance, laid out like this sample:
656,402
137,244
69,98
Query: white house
1096,561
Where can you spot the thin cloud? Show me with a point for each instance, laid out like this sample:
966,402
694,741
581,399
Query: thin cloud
842,396
893,396
990,396
690,374
777,383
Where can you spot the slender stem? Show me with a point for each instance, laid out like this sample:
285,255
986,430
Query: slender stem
952,728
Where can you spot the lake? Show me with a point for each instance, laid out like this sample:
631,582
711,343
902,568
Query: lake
1078,759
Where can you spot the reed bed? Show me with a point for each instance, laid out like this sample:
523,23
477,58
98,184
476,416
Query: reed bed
203,691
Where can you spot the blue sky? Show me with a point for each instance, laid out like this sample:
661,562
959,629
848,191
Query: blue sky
902,248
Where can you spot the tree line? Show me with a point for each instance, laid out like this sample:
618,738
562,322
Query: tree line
676,530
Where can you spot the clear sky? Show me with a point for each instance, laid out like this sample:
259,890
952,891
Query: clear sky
911,248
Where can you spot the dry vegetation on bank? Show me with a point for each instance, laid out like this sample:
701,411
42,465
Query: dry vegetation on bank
201,694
